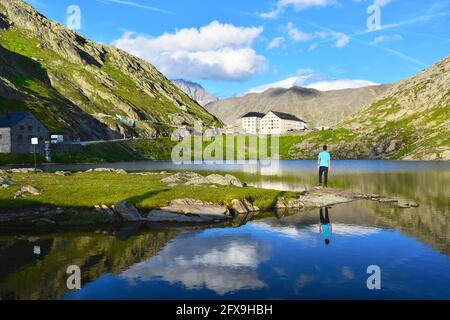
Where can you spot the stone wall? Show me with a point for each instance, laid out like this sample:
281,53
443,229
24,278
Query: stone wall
5,140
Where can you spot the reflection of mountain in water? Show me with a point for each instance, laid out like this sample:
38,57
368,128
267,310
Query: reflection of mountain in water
25,275
427,224
222,264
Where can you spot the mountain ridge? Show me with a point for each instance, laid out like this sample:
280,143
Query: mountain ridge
76,86
411,121
318,108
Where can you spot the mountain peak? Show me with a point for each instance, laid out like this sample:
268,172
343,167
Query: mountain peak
77,87
195,91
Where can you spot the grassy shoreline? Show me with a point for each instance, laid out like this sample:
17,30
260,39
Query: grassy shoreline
79,193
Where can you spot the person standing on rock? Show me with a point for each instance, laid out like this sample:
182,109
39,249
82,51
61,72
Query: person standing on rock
324,166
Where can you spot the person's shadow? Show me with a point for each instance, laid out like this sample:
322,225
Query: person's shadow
326,227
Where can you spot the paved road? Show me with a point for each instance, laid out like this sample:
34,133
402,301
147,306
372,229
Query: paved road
85,143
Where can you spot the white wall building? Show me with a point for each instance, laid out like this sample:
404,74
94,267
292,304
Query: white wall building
251,122
280,123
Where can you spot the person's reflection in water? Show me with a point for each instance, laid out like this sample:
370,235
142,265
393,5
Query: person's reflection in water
326,228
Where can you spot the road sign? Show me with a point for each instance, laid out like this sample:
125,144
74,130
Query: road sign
34,141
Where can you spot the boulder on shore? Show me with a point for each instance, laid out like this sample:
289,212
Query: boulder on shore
118,171
63,173
5,182
290,203
27,190
127,211
243,206
193,179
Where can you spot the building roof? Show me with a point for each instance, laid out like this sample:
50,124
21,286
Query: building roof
287,116
12,118
254,115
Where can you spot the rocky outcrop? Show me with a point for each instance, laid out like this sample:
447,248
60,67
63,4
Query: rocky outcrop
411,121
193,179
111,170
5,182
27,190
63,173
127,211
196,207
190,210
242,206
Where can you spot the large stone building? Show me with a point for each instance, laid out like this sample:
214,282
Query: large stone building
16,131
271,123
251,122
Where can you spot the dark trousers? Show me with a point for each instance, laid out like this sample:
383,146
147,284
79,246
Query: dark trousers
323,171
324,219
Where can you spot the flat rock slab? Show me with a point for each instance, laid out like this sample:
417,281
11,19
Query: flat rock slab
323,200
191,206
198,209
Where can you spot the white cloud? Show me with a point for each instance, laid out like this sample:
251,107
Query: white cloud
341,39
308,78
275,43
298,5
341,84
222,264
382,3
297,35
387,38
215,51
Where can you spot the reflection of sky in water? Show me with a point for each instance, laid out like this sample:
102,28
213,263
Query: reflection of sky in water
279,259
221,264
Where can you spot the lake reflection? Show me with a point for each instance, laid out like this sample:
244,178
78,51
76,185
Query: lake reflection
284,258
275,256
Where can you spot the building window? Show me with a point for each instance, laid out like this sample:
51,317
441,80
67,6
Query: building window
22,128
39,129
19,137
30,128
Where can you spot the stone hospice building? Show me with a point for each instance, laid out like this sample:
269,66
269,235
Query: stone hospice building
271,123
16,131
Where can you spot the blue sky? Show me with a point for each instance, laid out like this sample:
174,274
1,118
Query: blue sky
233,46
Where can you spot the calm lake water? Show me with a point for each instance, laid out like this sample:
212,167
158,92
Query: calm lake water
274,256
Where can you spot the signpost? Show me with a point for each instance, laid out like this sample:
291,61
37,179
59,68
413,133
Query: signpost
34,142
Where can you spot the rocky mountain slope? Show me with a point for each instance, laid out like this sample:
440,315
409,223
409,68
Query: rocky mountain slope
76,87
195,91
316,107
410,122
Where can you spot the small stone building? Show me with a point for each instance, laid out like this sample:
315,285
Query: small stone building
16,131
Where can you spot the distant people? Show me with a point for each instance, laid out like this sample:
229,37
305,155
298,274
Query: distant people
324,165
326,228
